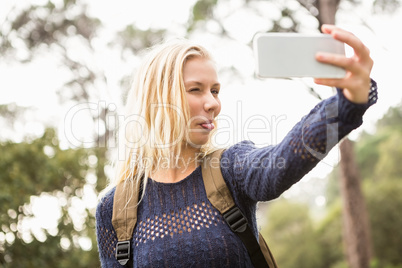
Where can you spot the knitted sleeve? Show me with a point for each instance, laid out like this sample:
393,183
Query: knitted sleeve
105,233
262,174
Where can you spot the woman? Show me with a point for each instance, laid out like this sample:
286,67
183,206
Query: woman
172,106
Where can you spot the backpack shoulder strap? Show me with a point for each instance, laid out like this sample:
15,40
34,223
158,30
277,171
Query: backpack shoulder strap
220,197
124,218
217,191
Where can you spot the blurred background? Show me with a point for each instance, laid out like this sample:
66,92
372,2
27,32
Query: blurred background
66,67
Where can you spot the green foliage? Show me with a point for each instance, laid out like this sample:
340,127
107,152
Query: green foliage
388,6
135,40
329,237
36,168
390,152
379,154
384,201
392,118
11,112
377,264
39,25
368,154
290,229
203,9
296,242
333,190
32,169
48,254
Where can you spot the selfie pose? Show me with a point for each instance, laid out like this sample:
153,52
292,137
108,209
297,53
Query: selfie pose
166,206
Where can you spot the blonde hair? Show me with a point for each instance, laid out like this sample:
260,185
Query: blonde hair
158,108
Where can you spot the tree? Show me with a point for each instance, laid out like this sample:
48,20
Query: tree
323,10
40,169
329,237
291,230
378,157
379,153
356,224
383,201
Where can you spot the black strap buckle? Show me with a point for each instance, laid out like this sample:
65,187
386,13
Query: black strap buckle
235,219
123,252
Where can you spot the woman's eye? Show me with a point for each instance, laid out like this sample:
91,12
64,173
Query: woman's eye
215,91
194,89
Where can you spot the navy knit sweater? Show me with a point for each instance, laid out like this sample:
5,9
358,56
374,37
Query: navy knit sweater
177,225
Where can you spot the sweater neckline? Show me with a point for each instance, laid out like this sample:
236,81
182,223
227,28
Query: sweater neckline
196,171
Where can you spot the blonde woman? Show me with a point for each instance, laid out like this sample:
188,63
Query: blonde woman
172,108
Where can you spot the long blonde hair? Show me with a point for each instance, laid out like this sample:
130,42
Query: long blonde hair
157,113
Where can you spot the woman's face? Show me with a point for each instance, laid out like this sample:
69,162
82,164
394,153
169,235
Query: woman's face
202,89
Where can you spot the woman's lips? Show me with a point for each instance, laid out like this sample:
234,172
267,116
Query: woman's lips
209,126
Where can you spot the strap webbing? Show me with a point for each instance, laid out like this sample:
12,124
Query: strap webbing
124,218
220,197
267,253
217,191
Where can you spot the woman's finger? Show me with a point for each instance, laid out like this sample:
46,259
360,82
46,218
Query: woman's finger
344,83
331,82
349,64
327,28
359,48
348,38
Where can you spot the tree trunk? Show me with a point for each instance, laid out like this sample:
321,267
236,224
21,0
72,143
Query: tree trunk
355,219
326,11
356,229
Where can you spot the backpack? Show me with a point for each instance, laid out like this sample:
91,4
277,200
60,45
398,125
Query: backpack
124,216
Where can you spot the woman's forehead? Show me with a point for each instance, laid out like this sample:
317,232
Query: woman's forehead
199,69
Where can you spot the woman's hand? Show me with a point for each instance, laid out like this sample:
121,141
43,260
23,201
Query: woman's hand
356,83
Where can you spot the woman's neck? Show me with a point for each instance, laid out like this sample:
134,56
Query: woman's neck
178,167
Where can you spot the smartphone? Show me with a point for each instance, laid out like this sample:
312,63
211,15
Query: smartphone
281,55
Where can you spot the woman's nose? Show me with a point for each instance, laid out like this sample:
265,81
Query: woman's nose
211,103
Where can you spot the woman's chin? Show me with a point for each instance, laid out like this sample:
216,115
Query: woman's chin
197,143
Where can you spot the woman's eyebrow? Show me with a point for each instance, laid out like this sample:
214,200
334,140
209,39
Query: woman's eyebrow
201,84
